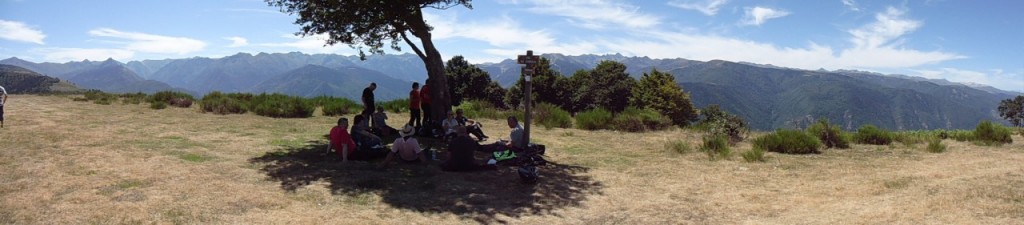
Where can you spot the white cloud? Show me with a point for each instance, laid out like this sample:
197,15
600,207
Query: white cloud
851,4
708,7
237,42
18,31
596,14
78,54
312,44
152,43
889,26
758,15
506,36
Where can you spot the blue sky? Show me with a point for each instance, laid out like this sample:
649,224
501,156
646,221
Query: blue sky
963,41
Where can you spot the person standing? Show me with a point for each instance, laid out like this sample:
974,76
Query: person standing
368,100
414,106
425,104
3,100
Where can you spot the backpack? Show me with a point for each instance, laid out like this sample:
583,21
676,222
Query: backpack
528,174
504,155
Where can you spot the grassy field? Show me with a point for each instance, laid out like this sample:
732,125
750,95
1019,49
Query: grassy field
65,162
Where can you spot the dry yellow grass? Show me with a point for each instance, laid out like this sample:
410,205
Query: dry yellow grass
64,162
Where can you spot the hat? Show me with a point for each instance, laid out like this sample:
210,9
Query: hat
406,131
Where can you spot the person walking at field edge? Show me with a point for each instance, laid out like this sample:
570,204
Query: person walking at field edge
3,101
368,106
414,106
425,103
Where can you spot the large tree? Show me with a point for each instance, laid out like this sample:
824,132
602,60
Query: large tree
545,86
1013,110
607,86
469,82
659,91
371,24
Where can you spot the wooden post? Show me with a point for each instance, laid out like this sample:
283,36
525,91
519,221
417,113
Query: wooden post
530,62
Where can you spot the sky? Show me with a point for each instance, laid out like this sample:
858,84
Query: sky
964,41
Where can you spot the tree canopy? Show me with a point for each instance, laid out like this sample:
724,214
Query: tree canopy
659,91
1013,110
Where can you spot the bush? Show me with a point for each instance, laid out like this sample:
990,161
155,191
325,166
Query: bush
158,105
395,106
829,134
990,133
935,146
678,146
133,98
483,109
177,99
100,97
549,116
754,155
333,106
281,106
222,104
640,120
718,122
716,147
788,142
869,134
594,119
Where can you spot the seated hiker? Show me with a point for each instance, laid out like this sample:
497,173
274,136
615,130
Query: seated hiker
406,148
460,153
362,135
516,140
341,141
472,127
380,126
449,124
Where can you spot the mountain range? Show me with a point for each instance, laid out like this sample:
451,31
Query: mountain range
767,96
18,80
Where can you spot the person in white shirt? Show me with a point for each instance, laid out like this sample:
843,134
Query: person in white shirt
449,125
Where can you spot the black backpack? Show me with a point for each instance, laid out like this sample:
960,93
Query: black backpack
528,174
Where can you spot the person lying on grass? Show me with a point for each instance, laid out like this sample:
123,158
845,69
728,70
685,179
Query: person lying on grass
460,154
406,148
472,127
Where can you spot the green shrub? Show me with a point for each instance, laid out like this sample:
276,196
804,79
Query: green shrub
334,106
222,104
754,155
594,119
911,138
80,99
104,101
394,106
281,106
678,146
158,105
640,120
177,99
788,142
100,97
990,133
869,134
935,146
133,98
716,147
828,134
483,109
959,135
718,122
549,116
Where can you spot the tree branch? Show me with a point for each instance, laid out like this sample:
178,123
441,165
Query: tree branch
413,46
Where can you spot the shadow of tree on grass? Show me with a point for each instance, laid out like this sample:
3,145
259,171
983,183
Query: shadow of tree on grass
482,196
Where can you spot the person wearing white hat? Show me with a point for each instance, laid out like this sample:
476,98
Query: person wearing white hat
406,147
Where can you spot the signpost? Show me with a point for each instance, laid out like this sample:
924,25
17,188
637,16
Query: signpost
530,62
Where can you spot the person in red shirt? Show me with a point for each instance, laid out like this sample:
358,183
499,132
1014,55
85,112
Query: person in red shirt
341,140
414,106
425,103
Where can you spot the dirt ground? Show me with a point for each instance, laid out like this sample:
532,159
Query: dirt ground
66,162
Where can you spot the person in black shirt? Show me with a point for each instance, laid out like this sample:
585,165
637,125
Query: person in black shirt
472,127
460,154
368,106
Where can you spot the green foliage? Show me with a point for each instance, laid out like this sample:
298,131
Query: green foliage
281,106
133,98
989,133
718,122
549,116
678,146
828,134
594,119
394,106
754,155
334,106
157,105
1012,110
608,86
100,97
483,109
716,147
219,103
545,87
640,120
869,134
935,145
659,91
468,82
177,99
788,142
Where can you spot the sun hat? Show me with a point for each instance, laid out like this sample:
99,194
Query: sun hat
407,131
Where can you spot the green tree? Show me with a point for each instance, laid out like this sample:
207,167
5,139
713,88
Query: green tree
544,88
1012,110
659,91
468,81
371,24
607,86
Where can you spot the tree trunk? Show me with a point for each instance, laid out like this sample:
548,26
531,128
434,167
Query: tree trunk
441,100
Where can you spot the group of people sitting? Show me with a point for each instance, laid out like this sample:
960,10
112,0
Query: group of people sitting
365,143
